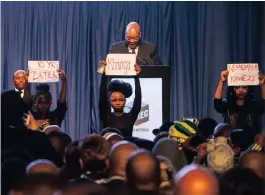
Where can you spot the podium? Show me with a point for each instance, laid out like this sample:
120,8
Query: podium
155,86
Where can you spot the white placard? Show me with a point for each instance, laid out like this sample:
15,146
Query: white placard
43,71
150,116
243,74
120,64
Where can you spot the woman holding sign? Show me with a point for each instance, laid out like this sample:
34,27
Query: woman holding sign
240,108
114,96
43,100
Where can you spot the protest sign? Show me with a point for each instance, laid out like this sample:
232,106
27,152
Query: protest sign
43,71
121,64
243,74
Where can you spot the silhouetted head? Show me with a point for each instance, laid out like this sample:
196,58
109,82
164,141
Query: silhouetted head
95,154
143,171
42,166
38,184
119,155
118,92
133,34
241,181
206,127
254,160
193,179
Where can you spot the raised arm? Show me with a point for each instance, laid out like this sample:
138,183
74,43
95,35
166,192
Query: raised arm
27,95
262,85
218,102
61,109
63,92
104,107
137,103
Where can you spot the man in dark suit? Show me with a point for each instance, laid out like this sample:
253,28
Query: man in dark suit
146,52
12,104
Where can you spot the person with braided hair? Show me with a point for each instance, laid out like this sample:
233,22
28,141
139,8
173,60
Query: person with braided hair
42,101
114,96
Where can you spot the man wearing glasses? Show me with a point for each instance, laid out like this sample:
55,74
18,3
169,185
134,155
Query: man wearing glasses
146,52
241,108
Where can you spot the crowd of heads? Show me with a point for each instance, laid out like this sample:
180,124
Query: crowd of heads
165,165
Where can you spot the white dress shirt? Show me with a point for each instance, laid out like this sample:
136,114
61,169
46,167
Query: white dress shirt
136,50
22,94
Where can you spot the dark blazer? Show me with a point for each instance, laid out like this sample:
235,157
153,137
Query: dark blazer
147,52
12,109
117,187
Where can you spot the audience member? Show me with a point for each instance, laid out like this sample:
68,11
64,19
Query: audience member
254,160
38,184
94,158
170,149
167,175
119,155
240,181
194,179
143,172
42,166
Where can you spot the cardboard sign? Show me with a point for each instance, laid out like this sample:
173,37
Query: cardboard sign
120,64
43,71
243,74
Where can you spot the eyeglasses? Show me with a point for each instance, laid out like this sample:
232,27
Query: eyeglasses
243,87
118,100
132,38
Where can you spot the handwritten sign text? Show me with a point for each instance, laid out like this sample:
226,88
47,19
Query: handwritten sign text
121,64
243,74
43,71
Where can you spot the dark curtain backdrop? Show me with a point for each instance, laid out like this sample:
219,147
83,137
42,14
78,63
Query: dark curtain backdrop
197,39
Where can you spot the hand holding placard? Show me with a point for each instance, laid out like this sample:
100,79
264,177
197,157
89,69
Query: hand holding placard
43,71
224,75
243,74
137,69
101,66
261,79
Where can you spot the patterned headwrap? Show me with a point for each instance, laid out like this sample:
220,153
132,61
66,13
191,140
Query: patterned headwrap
182,130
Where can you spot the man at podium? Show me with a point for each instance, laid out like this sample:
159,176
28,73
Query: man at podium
146,52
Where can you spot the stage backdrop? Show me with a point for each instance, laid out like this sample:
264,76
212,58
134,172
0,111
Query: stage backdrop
197,39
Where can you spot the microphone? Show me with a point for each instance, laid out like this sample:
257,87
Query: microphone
144,62
149,60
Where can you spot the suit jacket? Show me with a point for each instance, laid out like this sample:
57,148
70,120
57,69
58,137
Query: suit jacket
147,52
117,187
12,109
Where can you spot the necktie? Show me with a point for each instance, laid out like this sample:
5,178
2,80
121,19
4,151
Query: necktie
20,92
133,51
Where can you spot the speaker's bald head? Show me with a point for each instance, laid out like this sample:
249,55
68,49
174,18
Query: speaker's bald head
193,179
254,160
133,27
